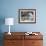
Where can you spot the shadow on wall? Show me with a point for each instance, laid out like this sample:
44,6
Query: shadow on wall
2,21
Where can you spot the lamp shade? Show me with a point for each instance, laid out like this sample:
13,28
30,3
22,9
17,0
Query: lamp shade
9,21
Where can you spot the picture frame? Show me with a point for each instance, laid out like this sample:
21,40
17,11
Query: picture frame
27,16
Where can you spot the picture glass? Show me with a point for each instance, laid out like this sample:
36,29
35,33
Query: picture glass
27,15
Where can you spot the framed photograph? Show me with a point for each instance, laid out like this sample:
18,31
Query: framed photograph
27,15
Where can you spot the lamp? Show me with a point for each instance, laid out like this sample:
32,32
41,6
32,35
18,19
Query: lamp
9,21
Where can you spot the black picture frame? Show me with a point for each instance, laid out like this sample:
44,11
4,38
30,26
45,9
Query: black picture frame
27,16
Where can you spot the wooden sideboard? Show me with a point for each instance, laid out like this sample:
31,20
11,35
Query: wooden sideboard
20,39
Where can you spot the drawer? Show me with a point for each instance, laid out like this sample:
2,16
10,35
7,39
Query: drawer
9,43
33,37
16,37
13,43
33,43
37,43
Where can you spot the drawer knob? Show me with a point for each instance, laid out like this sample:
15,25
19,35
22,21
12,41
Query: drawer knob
33,42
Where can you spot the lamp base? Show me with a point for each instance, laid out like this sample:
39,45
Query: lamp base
9,33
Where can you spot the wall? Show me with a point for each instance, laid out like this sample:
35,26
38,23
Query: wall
9,8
